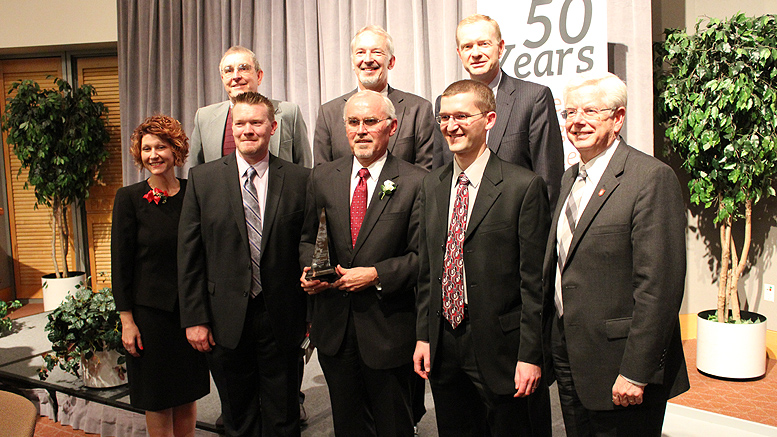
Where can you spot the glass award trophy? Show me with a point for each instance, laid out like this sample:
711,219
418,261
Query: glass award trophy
320,267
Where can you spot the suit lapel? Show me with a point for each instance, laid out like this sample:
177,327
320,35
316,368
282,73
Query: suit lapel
567,180
340,217
504,106
274,189
399,106
487,194
602,192
275,140
377,205
231,182
214,129
442,194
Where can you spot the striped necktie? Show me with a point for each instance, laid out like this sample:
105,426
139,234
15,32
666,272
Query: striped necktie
254,228
566,230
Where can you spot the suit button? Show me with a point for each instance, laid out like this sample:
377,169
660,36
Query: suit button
245,294
439,313
439,279
345,294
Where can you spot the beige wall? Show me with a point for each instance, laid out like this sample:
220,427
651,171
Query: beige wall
56,23
703,242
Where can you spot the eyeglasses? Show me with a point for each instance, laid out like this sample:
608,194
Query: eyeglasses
587,113
457,118
241,68
354,123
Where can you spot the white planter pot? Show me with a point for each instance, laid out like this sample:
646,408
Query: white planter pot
729,350
55,290
103,370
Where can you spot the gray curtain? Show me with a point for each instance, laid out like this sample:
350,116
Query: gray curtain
169,52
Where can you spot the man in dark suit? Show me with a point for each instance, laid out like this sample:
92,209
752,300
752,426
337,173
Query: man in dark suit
526,130
238,267
372,54
615,273
363,324
484,225
212,135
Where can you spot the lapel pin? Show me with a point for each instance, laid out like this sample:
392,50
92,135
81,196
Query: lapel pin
601,192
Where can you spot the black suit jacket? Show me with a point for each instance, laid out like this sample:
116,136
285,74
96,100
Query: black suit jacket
503,248
412,141
623,281
214,262
388,240
526,132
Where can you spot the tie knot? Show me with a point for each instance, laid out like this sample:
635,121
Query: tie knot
582,174
463,179
250,172
364,173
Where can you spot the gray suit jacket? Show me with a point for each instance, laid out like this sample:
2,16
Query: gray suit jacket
388,240
290,141
214,262
526,132
623,281
503,248
412,142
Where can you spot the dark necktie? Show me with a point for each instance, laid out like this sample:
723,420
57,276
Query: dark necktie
229,139
254,228
453,279
566,230
359,204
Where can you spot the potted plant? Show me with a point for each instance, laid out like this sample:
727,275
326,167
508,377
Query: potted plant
717,97
59,136
85,335
5,322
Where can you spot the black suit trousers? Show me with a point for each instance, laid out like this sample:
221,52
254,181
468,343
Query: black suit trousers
635,420
464,404
257,381
365,401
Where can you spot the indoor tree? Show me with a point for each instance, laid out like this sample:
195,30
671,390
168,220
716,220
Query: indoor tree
717,97
59,136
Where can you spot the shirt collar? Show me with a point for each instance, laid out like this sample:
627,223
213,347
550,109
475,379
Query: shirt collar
260,167
494,85
375,168
595,167
475,170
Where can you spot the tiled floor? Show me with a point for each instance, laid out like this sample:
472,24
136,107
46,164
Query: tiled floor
749,400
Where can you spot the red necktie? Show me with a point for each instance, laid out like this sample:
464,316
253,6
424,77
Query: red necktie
453,278
359,204
229,139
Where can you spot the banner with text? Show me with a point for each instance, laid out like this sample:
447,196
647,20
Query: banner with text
549,41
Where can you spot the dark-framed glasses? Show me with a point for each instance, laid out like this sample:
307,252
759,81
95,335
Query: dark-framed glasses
241,69
457,118
369,123
587,113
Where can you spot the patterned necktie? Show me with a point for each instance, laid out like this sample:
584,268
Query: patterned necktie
254,228
453,278
566,230
229,139
359,204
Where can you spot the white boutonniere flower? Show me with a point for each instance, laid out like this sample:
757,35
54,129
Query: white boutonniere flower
387,188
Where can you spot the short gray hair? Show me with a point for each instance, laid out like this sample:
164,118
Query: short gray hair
387,107
378,30
240,49
611,87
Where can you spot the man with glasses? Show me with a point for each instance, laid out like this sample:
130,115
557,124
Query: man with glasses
526,130
212,135
363,323
484,225
614,273
372,55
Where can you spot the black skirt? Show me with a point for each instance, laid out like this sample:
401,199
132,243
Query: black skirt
169,372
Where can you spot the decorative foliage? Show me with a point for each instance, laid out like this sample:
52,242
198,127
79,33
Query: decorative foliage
85,323
717,96
5,323
59,136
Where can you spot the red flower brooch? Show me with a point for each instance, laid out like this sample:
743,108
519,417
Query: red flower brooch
156,195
